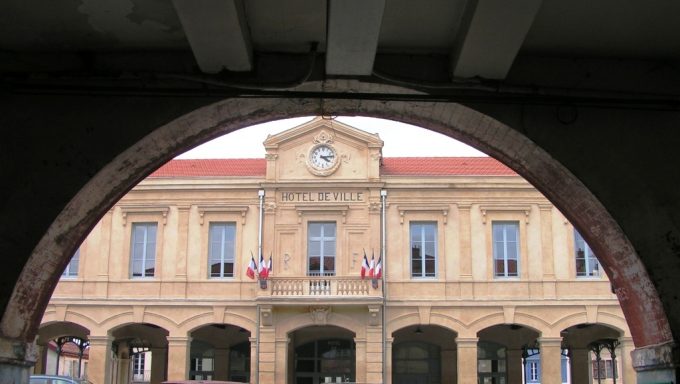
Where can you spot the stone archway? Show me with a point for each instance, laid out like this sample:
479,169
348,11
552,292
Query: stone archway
638,297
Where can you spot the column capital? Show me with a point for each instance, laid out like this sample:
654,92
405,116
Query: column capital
100,340
467,342
655,357
178,340
549,342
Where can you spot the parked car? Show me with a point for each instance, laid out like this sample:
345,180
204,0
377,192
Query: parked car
53,379
200,382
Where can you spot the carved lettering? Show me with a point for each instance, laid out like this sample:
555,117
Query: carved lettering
335,197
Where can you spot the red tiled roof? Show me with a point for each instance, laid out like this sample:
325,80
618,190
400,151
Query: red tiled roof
444,166
212,167
391,166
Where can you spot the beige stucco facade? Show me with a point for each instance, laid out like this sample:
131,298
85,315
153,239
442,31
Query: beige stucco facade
455,303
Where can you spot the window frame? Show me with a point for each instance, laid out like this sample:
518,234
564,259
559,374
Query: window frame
588,257
71,271
223,244
434,225
322,239
146,225
518,249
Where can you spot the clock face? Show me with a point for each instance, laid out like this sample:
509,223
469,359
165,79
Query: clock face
322,160
323,157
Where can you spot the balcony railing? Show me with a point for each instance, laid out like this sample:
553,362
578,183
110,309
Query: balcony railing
323,286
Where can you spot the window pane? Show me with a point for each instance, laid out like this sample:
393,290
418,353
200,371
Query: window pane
314,248
137,268
500,267
329,248
228,269
215,270
314,229
314,264
512,267
416,268
329,230
329,264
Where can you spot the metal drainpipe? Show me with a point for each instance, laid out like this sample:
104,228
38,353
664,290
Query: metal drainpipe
260,194
383,235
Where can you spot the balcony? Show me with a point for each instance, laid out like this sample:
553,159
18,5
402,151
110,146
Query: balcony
321,287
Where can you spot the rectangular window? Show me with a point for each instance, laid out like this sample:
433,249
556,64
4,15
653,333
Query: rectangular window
222,248
506,248
138,364
143,249
586,262
533,369
72,266
321,249
423,249
605,370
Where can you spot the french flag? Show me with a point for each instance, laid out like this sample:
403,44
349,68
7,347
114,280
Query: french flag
263,271
378,269
364,267
371,267
250,272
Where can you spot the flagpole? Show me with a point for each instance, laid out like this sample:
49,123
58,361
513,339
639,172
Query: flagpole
260,194
383,247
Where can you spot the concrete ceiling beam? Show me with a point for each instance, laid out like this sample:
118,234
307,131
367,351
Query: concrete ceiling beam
353,32
218,34
491,34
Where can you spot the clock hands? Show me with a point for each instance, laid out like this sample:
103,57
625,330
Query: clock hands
327,157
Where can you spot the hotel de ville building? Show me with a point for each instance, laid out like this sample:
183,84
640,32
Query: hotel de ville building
470,275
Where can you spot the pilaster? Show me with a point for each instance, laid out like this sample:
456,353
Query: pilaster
178,357
99,363
551,360
467,359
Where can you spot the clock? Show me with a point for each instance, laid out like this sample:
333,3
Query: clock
322,160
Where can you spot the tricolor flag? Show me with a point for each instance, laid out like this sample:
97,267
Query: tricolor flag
378,269
262,268
250,272
371,267
364,266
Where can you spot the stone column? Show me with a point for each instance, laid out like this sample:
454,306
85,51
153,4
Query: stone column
388,360
373,356
41,359
361,364
253,359
179,349
467,359
221,364
281,366
16,359
581,367
267,357
551,360
159,358
465,251
623,360
514,365
99,363
655,364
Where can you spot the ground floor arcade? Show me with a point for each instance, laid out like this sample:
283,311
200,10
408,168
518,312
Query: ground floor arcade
312,343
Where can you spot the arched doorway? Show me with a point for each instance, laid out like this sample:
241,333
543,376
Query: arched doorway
62,348
597,353
220,352
424,354
139,354
322,354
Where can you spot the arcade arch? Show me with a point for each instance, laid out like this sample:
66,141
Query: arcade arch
640,303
